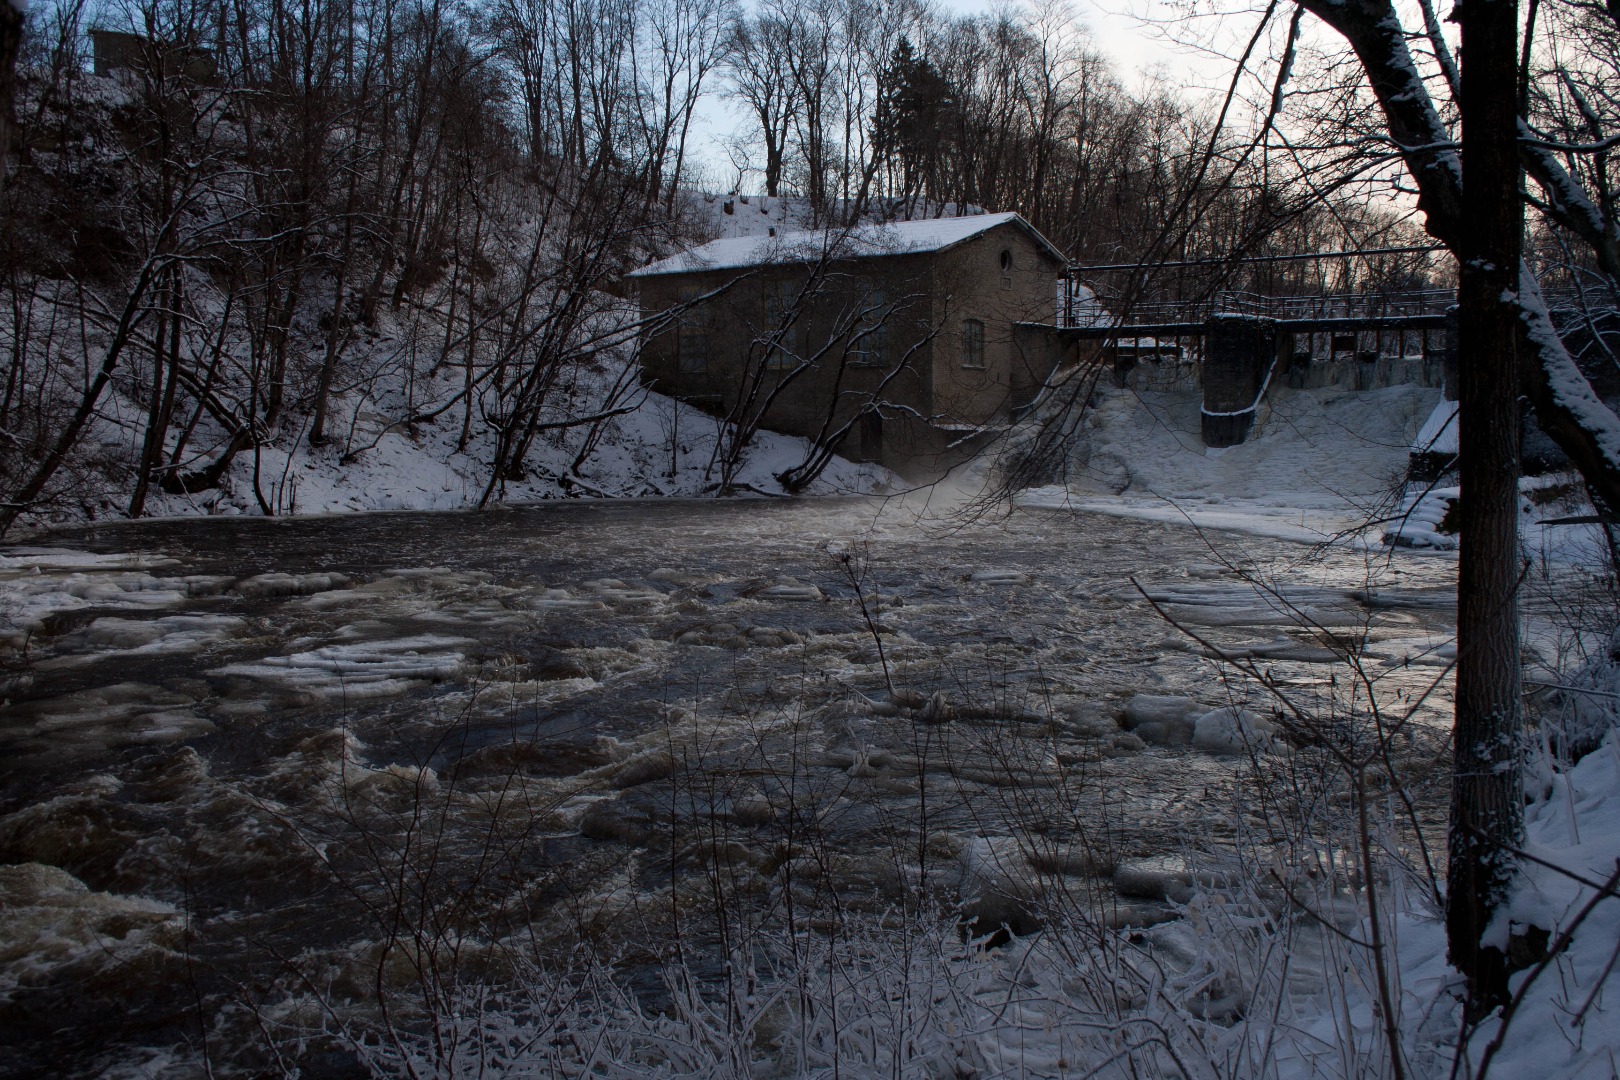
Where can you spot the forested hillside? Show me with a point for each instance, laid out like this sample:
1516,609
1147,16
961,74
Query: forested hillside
281,246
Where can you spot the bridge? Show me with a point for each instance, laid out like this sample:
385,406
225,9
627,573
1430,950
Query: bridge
1242,342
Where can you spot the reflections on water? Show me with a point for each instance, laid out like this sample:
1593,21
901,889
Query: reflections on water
242,758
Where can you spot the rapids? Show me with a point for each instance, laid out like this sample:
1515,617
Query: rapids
258,774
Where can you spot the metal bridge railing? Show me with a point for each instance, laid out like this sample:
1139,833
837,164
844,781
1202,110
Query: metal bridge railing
1086,310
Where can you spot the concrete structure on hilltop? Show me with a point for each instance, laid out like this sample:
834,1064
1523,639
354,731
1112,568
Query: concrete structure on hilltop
899,344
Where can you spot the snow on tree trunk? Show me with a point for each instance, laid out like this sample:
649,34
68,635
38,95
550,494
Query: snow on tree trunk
1487,812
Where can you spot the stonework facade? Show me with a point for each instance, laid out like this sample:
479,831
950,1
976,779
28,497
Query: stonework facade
897,342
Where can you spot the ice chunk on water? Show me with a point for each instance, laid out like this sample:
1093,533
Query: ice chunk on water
563,600
170,634
1162,719
45,560
278,584
999,577
1231,730
1414,651
619,594
791,590
365,669
124,714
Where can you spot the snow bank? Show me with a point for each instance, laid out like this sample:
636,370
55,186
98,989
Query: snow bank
662,448
1438,435
1317,467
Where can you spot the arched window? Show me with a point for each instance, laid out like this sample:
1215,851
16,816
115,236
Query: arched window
972,343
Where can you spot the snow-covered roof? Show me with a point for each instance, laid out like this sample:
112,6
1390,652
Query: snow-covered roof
863,241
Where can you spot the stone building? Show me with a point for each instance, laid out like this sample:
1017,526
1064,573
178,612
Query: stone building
895,343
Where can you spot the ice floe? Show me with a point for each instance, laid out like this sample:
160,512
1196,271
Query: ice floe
364,669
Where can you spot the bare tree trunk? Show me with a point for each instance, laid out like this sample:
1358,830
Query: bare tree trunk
165,379
11,28
1487,802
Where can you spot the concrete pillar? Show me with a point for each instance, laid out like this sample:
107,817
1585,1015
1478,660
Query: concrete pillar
1240,352
1448,357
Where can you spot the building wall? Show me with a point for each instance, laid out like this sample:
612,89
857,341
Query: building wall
975,286
719,356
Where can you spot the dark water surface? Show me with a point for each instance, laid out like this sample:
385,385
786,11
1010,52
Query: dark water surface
238,756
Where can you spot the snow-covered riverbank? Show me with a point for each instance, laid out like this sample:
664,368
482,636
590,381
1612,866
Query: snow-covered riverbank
1326,465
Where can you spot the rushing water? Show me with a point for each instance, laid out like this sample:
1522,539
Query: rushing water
239,755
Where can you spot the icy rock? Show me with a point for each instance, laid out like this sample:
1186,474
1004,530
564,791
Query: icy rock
278,584
998,887
1066,859
124,714
54,922
547,663
172,634
752,808
38,559
616,592
937,710
1217,990
563,600
644,768
999,577
1125,914
1232,730
1161,719
1124,743
618,822
863,767
365,669
1083,723
791,590
723,852
1154,879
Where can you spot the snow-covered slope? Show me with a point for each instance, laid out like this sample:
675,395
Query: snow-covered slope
660,448
1322,463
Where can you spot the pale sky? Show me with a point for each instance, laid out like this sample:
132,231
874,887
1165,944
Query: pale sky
1134,46
1123,31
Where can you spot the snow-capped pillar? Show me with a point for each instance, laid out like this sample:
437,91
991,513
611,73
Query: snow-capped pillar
1240,357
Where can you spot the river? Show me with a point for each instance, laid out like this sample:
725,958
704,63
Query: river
261,775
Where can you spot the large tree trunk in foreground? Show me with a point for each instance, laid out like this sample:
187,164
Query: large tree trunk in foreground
1506,345
1487,805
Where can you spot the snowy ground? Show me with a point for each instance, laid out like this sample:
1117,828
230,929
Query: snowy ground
662,448
1322,465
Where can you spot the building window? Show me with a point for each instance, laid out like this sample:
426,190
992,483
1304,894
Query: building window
692,336
1006,259
872,332
782,299
972,343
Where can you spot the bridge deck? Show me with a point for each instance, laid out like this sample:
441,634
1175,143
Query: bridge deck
1318,325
